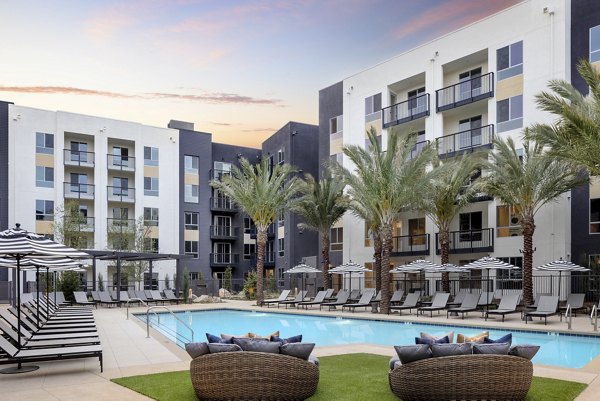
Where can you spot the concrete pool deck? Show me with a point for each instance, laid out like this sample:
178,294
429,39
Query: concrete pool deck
127,352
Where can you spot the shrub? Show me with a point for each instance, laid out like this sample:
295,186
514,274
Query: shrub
100,282
250,285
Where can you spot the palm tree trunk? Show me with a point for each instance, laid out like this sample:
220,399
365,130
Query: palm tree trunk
261,242
528,226
377,245
386,239
444,247
325,257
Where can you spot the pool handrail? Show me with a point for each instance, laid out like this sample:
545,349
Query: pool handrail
594,317
136,300
151,309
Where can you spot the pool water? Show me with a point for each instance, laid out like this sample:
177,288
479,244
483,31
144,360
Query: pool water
556,349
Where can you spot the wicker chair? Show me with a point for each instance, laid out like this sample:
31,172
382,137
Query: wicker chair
465,377
253,376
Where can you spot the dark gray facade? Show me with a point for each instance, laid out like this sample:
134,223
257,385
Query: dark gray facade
3,179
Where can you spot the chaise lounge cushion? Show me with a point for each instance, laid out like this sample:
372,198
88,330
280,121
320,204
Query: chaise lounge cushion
299,350
449,334
526,351
230,336
477,338
429,341
439,350
212,339
257,345
411,353
496,348
197,349
216,348
504,339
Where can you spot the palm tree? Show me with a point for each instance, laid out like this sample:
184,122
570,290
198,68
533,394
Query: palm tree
321,206
261,192
380,185
444,194
575,136
527,182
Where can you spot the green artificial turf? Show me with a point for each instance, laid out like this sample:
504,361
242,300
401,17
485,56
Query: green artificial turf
343,377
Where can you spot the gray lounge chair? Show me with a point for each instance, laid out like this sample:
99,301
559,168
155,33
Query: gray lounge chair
547,306
158,298
363,302
410,303
354,295
12,322
81,299
576,303
342,298
508,305
28,342
292,302
458,299
329,293
170,295
469,304
282,297
105,299
396,297
319,299
440,299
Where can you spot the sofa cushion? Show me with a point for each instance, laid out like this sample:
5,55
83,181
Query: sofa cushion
268,337
429,341
495,348
197,349
314,360
230,336
411,353
257,345
299,350
439,350
527,351
216,347
395,359
504,339
212,339
449,334
477,338
292,339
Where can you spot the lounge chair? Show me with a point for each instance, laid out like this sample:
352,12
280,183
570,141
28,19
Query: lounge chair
12,322
342,299
458,299
318,300
508,305
105,299
95,296
82,299
396,297
410,303
486,299
329,293
547,306
28,342
142,295
292,302
469,304
363,302
30,322
354,295
282,297
170,295
537,300
440,299
56,319
158,298
576,302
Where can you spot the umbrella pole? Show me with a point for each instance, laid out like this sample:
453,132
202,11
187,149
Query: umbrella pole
37,288
47,288
54,275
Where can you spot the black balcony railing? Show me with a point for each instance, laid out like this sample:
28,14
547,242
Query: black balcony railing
465,92
79,223
471,241
465,141
78,191
224,259
217,174
119,225
406,111
78,158
224,232
410,245
120,194
122,163
418,148
223,204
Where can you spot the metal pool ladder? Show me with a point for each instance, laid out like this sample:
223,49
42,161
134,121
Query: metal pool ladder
176,334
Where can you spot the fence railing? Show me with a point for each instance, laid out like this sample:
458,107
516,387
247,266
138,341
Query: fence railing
464,92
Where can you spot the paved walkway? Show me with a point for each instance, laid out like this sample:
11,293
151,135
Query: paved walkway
127,352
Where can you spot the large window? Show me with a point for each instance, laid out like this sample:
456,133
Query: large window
191,248
44,143
281,156
336,239
249,250
79,152
191,193
509,60
373,108
281,245
508,223
44,210
470,225
336,125
151,245
595,44
44,177
247,224
221,169
509,113
281,218
120,156
595,216
150,186
151,216
150,156
191,221
507,279
120,186
417,103
191,164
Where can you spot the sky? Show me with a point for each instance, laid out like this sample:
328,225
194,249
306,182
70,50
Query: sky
238,69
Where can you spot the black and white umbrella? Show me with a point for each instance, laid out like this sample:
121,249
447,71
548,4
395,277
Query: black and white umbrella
302,268
561,266
488,263
349,268
416,266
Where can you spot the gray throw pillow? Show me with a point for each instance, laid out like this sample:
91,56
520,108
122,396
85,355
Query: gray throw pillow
496,349
197,349
395,359
299,350
215,348
439,350
411,353
258,345
314,360
527,351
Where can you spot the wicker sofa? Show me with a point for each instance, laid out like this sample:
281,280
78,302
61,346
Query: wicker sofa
251,375
470,377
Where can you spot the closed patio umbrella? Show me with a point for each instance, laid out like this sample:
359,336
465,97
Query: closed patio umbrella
561,266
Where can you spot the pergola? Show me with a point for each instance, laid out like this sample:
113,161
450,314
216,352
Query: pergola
128,256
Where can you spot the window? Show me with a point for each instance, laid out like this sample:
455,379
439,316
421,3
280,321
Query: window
249,250
368,238
79,153
281,156
336,125
194,276
510,279
247,224
373,104
368,142
44,143
191,193
469,84
120,156
221,169
336,239
151,245
191,164
222,253
469,132
191,248
281,246
470,225
44,210
151,216
44,177
120,186
595,44
150,186
78,183
281,218
416,102
191,220
269,254
416,230
150,156
508,223
509,113
509,60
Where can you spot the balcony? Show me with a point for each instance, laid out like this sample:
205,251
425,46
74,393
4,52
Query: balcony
270,232
119,225
78,191
79,224
471,241
120,194
410,245
418,148
224,232
217,174
224,259
121,163
269,260
223,204
465,92
78,158
465,141
406,111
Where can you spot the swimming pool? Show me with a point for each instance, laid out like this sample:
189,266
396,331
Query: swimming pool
556,349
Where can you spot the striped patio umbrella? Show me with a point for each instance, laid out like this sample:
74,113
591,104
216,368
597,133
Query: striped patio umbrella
416,266
349,268
561,266
302,268
488,263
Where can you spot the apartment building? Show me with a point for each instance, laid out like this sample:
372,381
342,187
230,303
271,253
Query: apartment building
460,91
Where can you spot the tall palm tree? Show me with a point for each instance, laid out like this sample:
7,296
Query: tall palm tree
444,194
261,192
323,203
575,135
381,184
527,182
